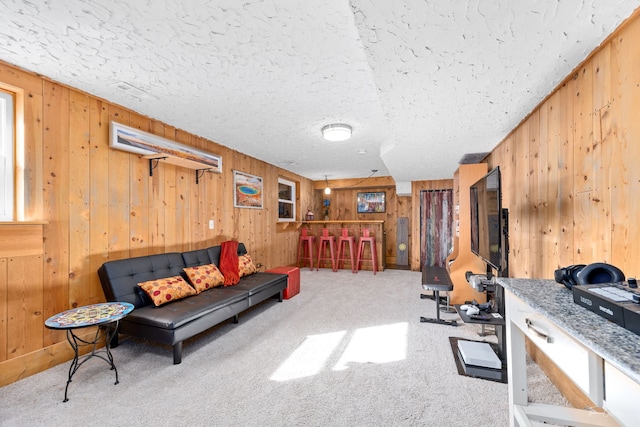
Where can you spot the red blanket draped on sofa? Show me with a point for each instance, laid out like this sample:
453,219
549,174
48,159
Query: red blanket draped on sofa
229,262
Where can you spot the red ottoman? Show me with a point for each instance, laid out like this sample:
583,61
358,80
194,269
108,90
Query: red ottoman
293,283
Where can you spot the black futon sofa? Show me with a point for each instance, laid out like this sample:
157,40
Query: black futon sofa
176,321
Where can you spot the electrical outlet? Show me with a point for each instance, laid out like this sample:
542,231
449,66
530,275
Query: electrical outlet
211,224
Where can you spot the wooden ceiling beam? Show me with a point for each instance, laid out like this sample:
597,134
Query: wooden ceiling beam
371,182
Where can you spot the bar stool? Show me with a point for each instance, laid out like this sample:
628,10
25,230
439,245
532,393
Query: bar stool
344,240
325,240
305,247
366,237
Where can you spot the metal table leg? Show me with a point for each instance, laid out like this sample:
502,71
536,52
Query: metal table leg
105,331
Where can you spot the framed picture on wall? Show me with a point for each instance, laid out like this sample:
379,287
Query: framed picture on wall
373,202
247,190
134,140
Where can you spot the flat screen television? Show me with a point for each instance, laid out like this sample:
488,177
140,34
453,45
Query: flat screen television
486,220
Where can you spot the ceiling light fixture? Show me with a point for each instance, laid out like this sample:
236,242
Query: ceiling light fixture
336,132
327,190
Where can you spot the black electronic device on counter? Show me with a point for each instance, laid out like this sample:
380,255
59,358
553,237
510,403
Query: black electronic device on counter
617,302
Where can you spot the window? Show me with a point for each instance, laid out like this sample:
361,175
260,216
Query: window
7,120
286,200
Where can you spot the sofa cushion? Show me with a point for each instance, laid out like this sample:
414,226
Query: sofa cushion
196,257
214,253
179,313
260,282
246,265
204,277
168,289
120,278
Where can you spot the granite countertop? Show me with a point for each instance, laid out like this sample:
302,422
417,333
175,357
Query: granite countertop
612,342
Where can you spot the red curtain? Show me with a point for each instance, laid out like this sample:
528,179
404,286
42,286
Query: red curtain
436,226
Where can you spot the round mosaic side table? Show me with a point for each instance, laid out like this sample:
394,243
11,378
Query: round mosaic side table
105,316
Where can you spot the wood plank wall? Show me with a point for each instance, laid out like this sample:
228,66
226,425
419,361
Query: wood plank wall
570,182
100,204
568,170
343,207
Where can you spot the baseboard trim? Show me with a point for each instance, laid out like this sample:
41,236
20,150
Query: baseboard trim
24,366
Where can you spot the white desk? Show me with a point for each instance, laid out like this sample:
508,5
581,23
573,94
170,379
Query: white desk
600,357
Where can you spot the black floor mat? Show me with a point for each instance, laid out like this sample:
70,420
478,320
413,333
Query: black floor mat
498,375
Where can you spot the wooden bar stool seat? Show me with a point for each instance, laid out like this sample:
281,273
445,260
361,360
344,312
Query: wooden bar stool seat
344,240
305,248
327,241
366,237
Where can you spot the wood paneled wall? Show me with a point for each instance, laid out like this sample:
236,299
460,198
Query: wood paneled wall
568,170
100,204
343,207
569,179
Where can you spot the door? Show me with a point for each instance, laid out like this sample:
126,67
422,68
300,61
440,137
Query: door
436,226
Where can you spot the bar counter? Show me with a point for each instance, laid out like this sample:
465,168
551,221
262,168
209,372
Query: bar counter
355,229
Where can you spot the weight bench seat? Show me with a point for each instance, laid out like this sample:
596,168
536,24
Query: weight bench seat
437,279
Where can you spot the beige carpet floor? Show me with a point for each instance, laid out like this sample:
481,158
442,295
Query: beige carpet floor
349,350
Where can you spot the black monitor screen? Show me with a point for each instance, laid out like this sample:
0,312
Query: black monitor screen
486,209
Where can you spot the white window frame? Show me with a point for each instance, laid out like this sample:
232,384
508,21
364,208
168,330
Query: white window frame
292,202
7,155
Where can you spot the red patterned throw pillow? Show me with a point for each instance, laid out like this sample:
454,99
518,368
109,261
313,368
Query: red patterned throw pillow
246,265
162,291
204,277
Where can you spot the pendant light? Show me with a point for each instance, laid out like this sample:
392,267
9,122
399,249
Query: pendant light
327,190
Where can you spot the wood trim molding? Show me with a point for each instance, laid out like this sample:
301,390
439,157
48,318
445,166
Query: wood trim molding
13,370
355,183
21,239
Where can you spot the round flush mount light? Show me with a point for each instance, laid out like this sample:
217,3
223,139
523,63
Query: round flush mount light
336,132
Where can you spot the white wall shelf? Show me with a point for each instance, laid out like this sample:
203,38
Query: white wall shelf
199,168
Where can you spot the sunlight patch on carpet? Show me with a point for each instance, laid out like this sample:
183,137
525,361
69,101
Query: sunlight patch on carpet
310,357
377,344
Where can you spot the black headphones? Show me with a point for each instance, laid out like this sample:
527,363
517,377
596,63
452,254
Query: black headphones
568,276
581,274
600,273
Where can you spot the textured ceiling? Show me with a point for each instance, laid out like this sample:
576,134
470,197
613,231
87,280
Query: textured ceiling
422,82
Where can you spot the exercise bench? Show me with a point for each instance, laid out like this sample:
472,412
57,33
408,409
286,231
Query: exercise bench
436,279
